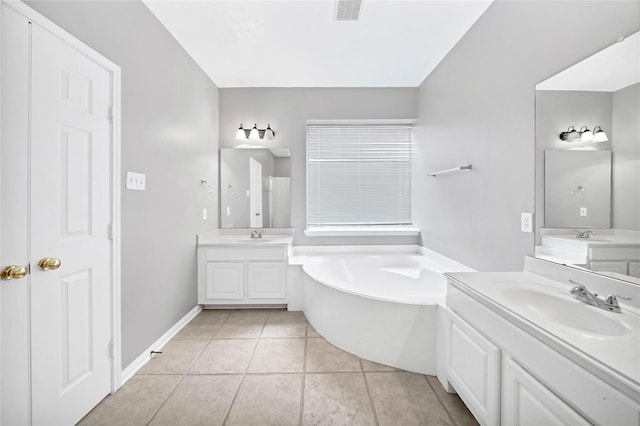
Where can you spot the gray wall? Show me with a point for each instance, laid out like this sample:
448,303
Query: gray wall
626,158
555,111
477,107
287,110
169,132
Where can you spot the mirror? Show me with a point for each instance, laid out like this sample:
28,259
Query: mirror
588,183
254,187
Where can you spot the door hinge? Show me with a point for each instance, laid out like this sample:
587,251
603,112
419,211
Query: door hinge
110,231
112,350
111,115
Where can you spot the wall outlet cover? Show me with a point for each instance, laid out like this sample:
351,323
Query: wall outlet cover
526,222
583,211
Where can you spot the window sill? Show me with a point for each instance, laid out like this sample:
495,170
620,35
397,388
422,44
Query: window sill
362,231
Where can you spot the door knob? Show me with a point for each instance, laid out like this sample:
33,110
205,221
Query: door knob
13,272
49,264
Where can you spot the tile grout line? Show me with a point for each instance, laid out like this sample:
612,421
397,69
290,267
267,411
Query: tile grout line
453,421
366,384
304,376
179,381
244,374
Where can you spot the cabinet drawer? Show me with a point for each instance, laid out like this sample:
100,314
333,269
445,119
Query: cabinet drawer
245,253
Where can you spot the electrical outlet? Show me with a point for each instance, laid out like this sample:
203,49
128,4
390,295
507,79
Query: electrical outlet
583,211
204,214
526,222
136,181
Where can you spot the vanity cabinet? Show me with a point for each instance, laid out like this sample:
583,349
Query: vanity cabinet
242,275
506,376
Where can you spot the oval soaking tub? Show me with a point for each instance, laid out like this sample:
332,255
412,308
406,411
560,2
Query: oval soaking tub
380,306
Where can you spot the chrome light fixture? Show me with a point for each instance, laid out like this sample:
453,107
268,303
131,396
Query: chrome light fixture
255,133
586,135
599,135
571,135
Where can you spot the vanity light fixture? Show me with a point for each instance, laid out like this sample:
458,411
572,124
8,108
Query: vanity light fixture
255,133
599,135
586,135
571,135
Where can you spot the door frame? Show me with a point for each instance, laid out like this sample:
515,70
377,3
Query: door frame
115,178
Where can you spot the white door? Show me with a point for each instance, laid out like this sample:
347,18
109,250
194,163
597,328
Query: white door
68,169
255,193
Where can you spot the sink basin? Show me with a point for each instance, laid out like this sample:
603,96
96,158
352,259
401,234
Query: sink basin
553,306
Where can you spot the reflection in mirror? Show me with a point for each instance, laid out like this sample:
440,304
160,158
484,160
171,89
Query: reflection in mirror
587,187
254,187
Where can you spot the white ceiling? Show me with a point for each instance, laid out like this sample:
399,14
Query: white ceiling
298,43
609,70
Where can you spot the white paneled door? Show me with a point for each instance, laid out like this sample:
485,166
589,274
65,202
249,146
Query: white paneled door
68,291
70,216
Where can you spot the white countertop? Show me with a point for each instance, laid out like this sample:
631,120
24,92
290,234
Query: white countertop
614,356
244,240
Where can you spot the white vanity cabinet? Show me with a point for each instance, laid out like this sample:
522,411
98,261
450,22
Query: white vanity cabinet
242,275
506,376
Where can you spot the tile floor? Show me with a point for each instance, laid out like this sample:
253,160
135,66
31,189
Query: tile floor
270,367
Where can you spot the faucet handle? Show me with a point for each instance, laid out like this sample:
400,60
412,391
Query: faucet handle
611,300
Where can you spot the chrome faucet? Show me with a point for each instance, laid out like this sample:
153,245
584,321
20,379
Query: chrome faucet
256,234
609,303
584,234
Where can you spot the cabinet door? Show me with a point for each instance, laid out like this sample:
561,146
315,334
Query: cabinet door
526,401
266,280
473,367
225,281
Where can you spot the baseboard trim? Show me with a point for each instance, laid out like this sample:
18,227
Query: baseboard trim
144,357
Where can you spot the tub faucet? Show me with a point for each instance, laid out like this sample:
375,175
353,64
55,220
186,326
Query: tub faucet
256,234
584,234
609,303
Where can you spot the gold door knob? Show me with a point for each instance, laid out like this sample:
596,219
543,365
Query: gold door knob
49,264
13,272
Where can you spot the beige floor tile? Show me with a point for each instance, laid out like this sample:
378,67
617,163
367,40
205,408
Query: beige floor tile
284,330
278,356
176,357
224,356
286,317
135,403
311,332
267,399
323,356
199,400
198,331
374,366
239,331
211,316
405,398
453,404
336,398
248,316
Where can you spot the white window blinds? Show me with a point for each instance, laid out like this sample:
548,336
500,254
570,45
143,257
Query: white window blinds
358,175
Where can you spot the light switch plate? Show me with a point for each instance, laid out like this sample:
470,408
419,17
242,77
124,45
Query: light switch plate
204,214
526,222
136,181
583,211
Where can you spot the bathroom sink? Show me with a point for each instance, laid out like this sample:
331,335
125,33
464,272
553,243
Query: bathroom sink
553,306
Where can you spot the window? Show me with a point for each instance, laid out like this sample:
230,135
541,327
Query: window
358,175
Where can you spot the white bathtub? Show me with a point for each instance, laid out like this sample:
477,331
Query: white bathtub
380,306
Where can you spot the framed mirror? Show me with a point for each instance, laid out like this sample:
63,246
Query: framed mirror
255,187
588,163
